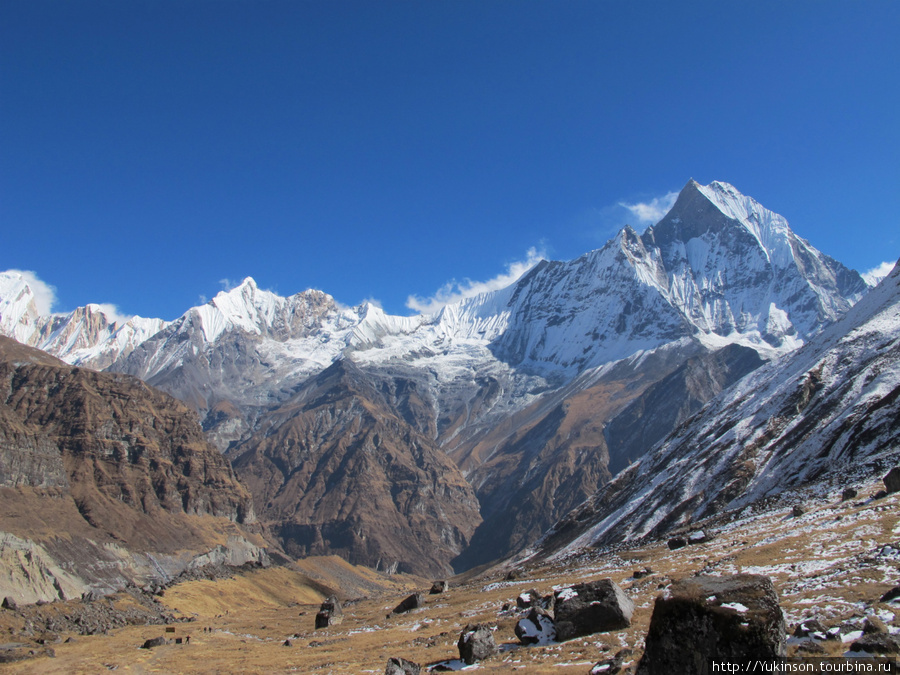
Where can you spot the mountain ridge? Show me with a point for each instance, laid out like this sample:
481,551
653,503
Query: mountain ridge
519,385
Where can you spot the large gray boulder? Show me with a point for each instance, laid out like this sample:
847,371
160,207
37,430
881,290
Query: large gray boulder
410,603
892,480
476,643
594,607
706,618
330,613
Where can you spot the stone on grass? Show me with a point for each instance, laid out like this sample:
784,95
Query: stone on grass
9,602
476,643
154,642
676,543
414,601
528,599
874,625
438,587
707,618
614,665
398,666
876,643
594,607
892,480
330,613
849,493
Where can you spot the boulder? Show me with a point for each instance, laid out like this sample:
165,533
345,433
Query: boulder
9,602
594,607
414,601
614,665
330,613
876,643
154,642
536,627
438,587
797,511
849,493
874,626
528,599
706,618
398,666
476,643
697,537
676,543
809,628
891,595
892,480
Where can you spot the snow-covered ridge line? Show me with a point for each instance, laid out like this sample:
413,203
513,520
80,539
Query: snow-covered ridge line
690,275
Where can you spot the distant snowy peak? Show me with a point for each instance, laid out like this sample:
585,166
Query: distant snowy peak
19,314
92,336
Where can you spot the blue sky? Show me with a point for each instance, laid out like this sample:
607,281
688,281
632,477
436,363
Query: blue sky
152,152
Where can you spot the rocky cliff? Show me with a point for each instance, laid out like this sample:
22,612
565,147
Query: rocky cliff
108,479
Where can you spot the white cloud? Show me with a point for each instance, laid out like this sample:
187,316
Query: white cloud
454,291
228,284
44,293
113,314
876,274
651,212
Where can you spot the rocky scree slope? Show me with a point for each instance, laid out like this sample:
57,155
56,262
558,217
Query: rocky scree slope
105,481
830,406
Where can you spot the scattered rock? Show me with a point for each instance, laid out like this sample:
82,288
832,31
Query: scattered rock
414,601
614,665
849,493
287,643
640,574
513,574
809,627
810,647
892,480
706,618
881,494
330,613
876,643
536,627
676,543
154,642
438,587
9,602
697,537
476,643
874,626
594,607
892,594
797,511
398,666
528,599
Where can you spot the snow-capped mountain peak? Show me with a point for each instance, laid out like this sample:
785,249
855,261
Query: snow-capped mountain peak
768,228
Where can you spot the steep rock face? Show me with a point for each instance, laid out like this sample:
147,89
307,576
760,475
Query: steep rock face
90,461
335,470
831,405
673,399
